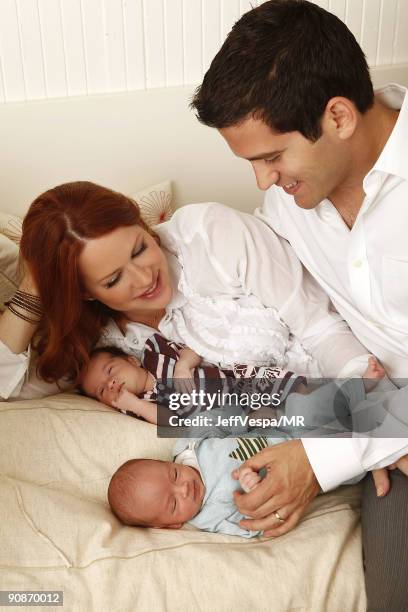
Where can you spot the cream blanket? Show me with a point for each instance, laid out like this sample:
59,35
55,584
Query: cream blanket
56,457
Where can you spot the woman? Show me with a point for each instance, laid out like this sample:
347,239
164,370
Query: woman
220,281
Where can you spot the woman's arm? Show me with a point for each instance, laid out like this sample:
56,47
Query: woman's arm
15,332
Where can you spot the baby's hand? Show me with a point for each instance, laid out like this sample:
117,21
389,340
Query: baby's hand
124,400
248,479
183,378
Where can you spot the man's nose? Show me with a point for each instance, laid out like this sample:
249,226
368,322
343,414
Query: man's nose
265,177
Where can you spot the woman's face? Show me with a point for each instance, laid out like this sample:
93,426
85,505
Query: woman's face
126,270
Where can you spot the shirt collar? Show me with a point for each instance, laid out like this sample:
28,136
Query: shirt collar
392,159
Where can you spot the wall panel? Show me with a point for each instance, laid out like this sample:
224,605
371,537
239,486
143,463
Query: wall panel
59,48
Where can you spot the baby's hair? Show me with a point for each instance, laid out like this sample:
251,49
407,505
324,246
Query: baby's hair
124,480
112,350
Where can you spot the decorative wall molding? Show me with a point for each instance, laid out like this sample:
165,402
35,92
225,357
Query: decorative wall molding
63,48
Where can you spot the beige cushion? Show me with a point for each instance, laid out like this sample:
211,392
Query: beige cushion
10,226
155,203
56,458
9,272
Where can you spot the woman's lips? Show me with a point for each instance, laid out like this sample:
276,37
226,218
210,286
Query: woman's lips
154,291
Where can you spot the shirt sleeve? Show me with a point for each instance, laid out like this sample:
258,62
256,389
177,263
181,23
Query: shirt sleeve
13,370
18,378
238,253
335,461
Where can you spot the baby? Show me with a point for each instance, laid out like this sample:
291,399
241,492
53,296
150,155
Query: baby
195,488
129,385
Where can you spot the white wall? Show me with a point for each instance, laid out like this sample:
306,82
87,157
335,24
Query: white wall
60,48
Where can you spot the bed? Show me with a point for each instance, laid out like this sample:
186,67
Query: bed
57,454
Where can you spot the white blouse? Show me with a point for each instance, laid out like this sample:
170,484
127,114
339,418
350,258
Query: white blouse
240,295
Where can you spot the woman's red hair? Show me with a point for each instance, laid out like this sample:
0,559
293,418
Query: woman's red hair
55,230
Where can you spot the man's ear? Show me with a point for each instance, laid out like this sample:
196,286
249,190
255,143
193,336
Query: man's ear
134,360
340,117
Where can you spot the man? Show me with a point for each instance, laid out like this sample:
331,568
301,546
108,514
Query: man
290,91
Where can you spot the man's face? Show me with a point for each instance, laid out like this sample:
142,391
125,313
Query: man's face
168,494
106,374
309,171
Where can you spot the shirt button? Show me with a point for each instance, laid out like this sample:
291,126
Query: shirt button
357,263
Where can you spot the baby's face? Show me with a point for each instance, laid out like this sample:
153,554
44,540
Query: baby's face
169,494
107,374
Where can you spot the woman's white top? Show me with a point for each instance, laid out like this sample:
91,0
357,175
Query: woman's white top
240,295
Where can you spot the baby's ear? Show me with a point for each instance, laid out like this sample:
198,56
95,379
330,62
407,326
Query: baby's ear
133,360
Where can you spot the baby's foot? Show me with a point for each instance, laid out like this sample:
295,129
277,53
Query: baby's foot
373,374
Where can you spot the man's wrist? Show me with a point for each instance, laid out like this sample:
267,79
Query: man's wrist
333,461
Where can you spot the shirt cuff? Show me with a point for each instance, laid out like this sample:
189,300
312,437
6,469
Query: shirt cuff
334,461
13,371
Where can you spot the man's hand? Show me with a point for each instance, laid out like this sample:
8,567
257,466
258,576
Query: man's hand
288,488
381,478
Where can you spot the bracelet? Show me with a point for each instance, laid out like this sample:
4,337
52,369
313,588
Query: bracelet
26,301
20,314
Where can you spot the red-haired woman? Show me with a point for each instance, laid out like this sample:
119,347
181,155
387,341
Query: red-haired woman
215,279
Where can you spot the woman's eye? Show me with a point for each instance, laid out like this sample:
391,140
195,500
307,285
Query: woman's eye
139,250
113,282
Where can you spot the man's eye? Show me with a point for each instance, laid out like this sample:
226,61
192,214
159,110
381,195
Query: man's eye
273,159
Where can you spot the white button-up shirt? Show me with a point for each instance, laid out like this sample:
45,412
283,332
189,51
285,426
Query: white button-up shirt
365,272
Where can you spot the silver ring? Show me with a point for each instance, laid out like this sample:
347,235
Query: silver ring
278,516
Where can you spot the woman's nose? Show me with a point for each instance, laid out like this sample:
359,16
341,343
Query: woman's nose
140,277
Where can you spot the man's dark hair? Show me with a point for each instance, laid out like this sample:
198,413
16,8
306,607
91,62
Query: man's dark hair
281,63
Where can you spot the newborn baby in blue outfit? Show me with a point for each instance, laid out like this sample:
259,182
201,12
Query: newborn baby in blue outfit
196,487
